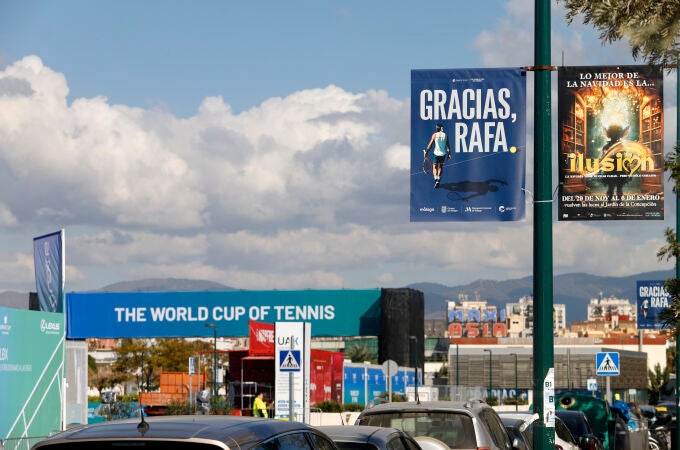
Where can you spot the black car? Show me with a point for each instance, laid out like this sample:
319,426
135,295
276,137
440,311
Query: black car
190,433
350,437
580,428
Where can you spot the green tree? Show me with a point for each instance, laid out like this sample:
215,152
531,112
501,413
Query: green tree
173,354
652,27
137,358
657,378
360,353
670,317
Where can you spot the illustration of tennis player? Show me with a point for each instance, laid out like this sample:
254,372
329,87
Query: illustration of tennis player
442,150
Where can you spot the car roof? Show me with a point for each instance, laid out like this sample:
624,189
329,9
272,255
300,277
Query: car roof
426,406
357,433
227,429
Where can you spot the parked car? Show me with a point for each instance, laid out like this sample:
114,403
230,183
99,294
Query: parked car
600,418
472,424
190,432
348,437
564,440
520,430
580,428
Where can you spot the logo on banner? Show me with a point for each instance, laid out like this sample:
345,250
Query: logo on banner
289,360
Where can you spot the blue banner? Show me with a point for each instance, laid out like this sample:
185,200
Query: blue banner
185,314
652,298
363,384
468,144
48,259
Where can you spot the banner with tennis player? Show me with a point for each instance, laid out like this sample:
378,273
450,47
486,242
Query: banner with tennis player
610,148
468,144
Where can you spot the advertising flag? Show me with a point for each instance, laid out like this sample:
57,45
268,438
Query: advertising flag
652,298
610,148
48,259
468,144
261,338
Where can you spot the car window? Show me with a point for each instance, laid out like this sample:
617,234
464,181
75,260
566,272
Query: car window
454,429
355,446
410,443
496,429
320,442
563,432
292,441
395,444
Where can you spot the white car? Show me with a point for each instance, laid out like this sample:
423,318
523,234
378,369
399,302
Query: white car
563,438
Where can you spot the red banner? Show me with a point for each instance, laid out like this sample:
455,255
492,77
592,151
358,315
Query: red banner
261,338
325,376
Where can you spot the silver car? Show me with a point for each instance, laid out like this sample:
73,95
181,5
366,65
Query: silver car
190,433
472,424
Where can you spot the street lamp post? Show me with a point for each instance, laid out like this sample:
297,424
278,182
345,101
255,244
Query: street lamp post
416,364
490,377
214,327
516,390
457,372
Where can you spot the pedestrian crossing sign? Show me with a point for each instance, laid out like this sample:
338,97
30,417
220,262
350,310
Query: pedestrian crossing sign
289,360
607,363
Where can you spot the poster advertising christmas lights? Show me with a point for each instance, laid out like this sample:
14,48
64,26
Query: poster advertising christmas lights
468,144
610,143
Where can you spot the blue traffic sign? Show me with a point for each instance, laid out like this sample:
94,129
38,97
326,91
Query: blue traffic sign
607,363
289,360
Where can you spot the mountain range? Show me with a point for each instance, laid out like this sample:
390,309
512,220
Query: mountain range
573,290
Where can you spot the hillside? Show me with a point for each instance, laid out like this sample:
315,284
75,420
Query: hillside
573,290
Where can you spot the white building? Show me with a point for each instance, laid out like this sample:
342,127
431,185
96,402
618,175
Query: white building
611,309
520,317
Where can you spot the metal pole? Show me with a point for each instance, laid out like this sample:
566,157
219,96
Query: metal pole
457,371
415,338
544,434
490,377
214,380
516,389
291,386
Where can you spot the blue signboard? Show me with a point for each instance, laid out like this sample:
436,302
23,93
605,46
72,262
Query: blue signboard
468,144
185,314
289,360
357,379
607,363
652,298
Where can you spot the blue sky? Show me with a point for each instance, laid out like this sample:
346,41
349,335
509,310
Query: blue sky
263,145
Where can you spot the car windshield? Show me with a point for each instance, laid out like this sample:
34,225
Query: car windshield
576,424
455,430
355,446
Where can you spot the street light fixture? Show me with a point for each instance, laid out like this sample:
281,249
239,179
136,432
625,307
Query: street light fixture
516,390
490,377
214,327
416,364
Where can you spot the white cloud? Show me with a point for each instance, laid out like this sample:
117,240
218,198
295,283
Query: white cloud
304,191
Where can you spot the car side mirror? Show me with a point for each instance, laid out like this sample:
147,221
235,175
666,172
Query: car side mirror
518,445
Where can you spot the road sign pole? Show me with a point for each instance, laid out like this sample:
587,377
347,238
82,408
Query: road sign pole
291,386
609,390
